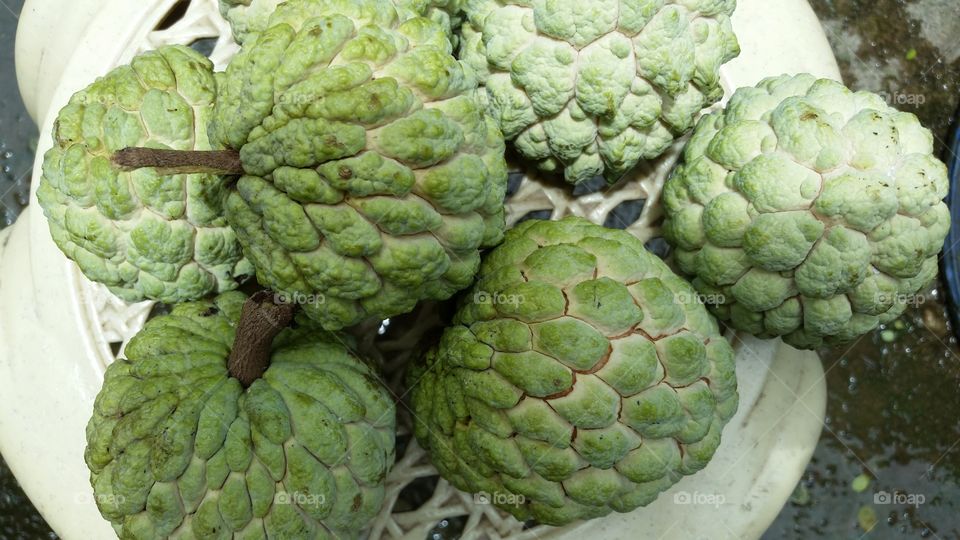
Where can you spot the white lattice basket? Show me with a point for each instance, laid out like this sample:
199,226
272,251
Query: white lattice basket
59,331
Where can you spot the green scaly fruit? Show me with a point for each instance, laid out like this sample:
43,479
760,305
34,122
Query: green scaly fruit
580,377
373,177
812,212
588,88
247,17
143,233
178,448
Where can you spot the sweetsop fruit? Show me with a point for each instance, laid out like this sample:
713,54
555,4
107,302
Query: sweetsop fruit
592,88
144,233
580,376
177,448
373,176
248,17
807,210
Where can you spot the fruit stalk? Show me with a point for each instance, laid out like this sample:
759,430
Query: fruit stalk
261,319
225,162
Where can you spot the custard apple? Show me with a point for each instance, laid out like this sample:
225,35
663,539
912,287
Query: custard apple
809,211
580,376
247,17
373,176
177,448
592,88
144,233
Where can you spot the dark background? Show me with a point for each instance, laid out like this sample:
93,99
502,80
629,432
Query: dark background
894,406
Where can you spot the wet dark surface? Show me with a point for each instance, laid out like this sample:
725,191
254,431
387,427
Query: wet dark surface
893,422
892,419
18,135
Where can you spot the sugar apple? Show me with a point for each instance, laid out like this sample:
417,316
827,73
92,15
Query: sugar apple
145,234
372,174
593,87
809,211
177,448
247,17
580,376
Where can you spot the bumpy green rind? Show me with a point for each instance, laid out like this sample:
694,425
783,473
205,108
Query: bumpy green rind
447,13
593,87
178,449
809,211
143,234
581,377
374,176
247,17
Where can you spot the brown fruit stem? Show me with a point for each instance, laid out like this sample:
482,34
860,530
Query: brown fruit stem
261,319
224,162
